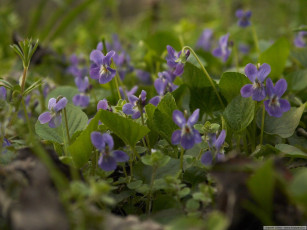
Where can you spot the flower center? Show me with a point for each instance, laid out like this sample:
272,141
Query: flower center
103,70
257,84
186,130
274,101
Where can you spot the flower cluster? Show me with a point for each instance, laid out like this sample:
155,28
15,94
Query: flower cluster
109,157
187,136
215,148
53,117
274,105
136,105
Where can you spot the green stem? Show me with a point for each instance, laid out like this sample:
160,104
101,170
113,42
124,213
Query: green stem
255,37
149,202
117,88
206,74
236,56
23,81
181,159
245,142
238,147
262,125
66,124
42,98
146,136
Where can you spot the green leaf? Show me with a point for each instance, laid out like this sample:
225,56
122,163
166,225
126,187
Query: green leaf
66,91
81,148
153,135
162,120
291,151
194,76
204,99
216,221
298,187
156,159
128,130
283,126
231,84
239,113
159,40
6,84
77,120
32,87
300,55
297,80
276,56
261,186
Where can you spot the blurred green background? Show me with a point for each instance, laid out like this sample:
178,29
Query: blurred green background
67,26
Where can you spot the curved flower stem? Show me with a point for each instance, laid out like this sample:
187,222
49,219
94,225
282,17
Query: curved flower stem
255,37
117,88
66,124
262,125
206,74
149,201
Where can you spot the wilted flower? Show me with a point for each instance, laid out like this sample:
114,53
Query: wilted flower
187,135
215,145
243,17
223,50
100,69
53,118
256,76
274,105
135,105
109,157
176,60
300,39
205,40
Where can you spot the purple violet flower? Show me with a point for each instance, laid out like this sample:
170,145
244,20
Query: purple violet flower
163,84
53,118
176,60
256,76
187,136
135,105
215,145
103,104
243,18
274,105
205,40
2,93
223,50
300,39
243,48
109,157
100,69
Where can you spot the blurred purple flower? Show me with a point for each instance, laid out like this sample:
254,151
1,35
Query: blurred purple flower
144,76
103,104
274,105
109,157
256,76
176,60
186,135
100,69
300,39
243,48
2,93
243,17
205,40
215,145
53,118
223,50
135,105
81,99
